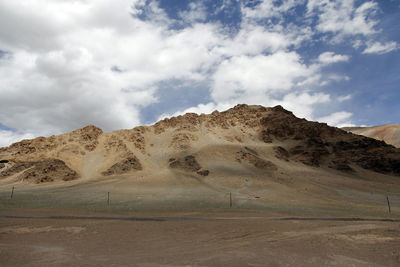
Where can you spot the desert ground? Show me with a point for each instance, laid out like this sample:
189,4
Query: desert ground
232,239
188,225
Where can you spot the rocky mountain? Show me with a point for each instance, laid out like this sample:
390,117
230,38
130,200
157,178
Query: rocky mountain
243,140
388,133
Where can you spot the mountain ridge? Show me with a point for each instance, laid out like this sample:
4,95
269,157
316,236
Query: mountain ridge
249,138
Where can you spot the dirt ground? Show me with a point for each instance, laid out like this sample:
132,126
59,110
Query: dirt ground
202,239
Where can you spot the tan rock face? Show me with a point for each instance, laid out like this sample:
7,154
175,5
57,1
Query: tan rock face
126,165
48,170
251,157
188,163
243,138
183,141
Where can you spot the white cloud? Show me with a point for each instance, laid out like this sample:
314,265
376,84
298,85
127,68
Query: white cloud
197,12
301,104
330,57
380,48
249,79
329,78
357,44
269,9
343,17
254,40
338,119
344,98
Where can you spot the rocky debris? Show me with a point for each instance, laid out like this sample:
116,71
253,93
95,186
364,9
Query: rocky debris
136,136
282,125
188,163
188,122
114,143
131,163
17,168
233,139
229,138
281,153
139,142
252,151
87,136
3,163
217,119
39,144
240,115
47,170
315,143
183,141
341,165
311,153
369,154
71,148
27,150
203,172
254,160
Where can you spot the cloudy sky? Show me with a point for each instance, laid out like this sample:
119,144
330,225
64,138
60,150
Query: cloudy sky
117,64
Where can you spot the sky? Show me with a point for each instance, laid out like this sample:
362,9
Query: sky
65,64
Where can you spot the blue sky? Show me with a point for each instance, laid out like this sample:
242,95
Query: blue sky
119,64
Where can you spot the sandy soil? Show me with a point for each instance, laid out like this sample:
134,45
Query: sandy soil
235,239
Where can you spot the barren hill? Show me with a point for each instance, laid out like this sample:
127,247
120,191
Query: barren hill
252,151
388,133
244,137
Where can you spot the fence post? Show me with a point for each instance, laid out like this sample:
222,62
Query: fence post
12,192
108,198
387,198
230,199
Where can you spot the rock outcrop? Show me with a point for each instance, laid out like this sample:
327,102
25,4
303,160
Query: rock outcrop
316,143
131,163
188,163
48,170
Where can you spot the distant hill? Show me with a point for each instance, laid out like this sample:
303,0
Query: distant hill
388,133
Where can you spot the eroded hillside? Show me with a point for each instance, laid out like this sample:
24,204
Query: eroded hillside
244,139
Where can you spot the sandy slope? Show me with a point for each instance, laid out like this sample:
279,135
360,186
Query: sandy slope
388,133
